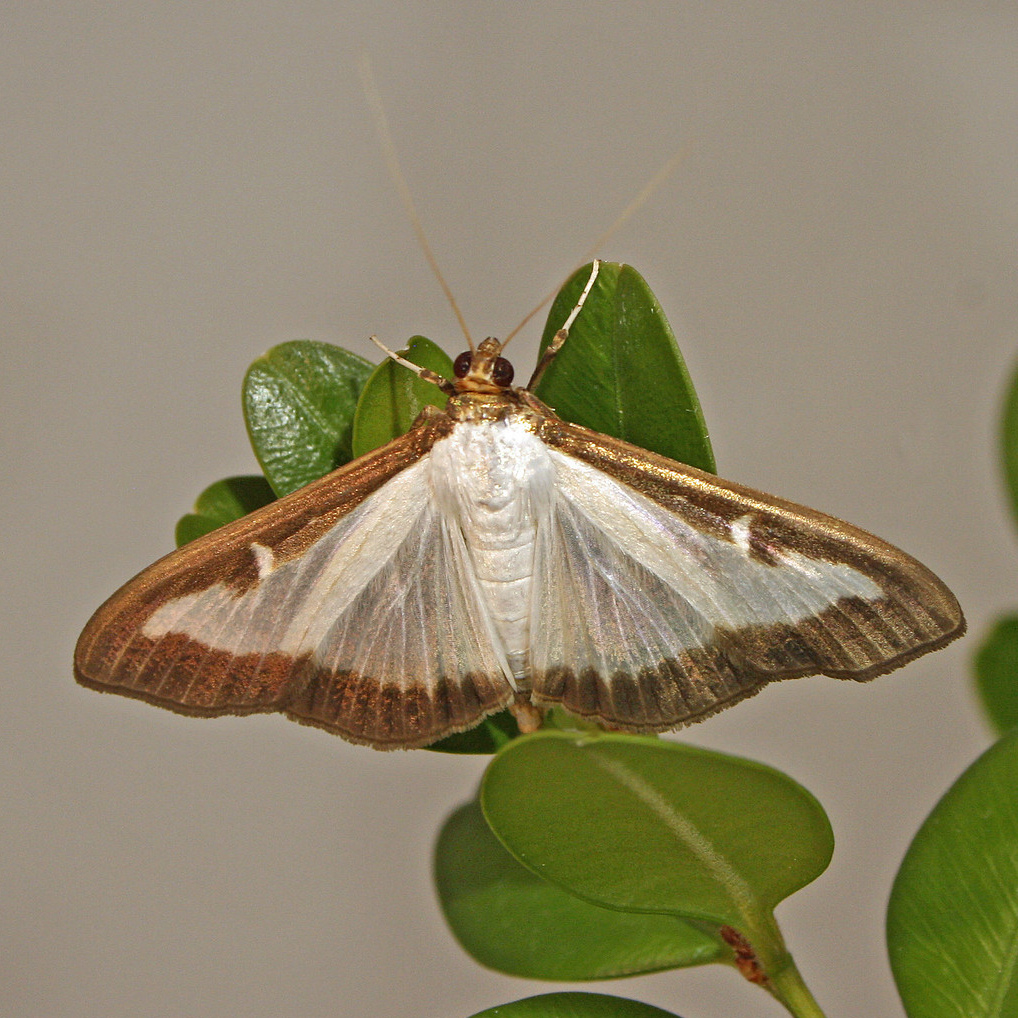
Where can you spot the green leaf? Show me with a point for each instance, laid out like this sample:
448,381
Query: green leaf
508,918
574,1005
953,914
641,824
1009,443
997,674
223,502
393,396
299,401
621,372
487,737
952,921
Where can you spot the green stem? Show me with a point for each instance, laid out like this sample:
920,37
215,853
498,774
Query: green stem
787,986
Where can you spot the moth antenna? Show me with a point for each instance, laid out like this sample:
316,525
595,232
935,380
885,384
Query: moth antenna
646,191
563,334
374,99
424,373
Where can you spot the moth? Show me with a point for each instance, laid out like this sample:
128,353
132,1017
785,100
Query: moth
498,556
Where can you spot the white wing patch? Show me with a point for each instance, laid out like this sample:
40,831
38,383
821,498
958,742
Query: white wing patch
388,592
265,560
741,531
622,584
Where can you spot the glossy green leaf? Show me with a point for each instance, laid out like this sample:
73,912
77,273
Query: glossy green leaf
952,921
299,401
393,396
641,824
621,372
1009,443
508,918
575,1005
997,673
223,502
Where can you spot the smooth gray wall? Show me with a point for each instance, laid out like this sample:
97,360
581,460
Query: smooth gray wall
184,185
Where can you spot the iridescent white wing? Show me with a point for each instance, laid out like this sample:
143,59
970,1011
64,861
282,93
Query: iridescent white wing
351,604
663,594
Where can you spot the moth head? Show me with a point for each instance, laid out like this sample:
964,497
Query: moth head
483,369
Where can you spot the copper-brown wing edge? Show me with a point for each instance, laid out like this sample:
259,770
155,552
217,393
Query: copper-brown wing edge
360,738
287,527
410,718
603,692
684,490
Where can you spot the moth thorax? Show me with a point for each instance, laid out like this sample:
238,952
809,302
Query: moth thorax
493,469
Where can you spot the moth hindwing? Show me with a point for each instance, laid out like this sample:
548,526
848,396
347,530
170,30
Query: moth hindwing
498,556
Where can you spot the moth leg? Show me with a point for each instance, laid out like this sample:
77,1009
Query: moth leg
563,334
424,373
429,415
529,717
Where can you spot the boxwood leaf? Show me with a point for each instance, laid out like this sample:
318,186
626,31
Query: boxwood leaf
574,1005
223,502
487,737
1009,443
641,824
952,921
997,673
621,372
299,401
393,396
508,918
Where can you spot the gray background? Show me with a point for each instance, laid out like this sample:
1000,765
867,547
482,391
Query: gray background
184,185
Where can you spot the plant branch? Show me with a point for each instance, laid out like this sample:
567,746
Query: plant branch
788,987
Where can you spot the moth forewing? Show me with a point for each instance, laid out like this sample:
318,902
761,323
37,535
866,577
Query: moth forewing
237,622
747,588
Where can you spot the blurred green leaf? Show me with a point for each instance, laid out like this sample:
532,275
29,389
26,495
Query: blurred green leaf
640,824
621,372
510,919
223,502
997,674
952,920
299,401
393,396
574,1005
1009,443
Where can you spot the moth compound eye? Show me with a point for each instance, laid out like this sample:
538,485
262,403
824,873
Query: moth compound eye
461,365
502,372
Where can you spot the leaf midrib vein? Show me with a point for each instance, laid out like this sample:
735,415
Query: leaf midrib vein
687,833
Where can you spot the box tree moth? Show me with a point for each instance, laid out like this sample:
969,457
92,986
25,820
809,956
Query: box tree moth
499,556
